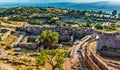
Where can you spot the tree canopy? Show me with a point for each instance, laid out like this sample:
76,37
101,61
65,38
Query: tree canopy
98,26
42,59
48,37
55,58
114,12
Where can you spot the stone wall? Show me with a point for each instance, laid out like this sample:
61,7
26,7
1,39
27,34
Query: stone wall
64,38
103,64
29,39
91,62
4,33
29,42
76,32
100,63
108,42
16,41
28,45
108,35
110,54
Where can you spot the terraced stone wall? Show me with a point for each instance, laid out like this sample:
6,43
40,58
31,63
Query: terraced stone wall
108,42
76,32
16,41
29,42
4,33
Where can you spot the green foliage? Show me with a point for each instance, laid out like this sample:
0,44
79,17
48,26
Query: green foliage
60,58
54,16
119,15
101,12
48,37
67,25
82,25
98,26
59,23
35,22
55,58
17,18
114,12
111,28
42,58
51,21
89,23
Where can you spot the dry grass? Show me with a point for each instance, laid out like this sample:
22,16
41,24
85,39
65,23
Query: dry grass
14,24
75,25
8,41
1,68
91,46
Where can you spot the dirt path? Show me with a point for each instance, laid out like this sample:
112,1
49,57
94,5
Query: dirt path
6,66
82,65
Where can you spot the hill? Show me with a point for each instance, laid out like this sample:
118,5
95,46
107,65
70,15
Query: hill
95,6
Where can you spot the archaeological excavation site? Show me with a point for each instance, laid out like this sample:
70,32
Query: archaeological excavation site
96,50
59,35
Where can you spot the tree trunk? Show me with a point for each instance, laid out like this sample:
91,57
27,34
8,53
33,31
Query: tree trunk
43,68
37,67
53,68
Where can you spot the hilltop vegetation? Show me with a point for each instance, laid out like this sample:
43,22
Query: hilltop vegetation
60,17
57,16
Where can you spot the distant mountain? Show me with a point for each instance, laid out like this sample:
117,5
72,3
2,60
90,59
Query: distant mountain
96,6
105,6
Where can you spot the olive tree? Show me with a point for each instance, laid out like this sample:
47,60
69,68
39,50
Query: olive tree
48,37
55,58
114,12
41,59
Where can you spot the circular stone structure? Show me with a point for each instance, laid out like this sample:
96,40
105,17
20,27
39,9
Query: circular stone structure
102,43
108,45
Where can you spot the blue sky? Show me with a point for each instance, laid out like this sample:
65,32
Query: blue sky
49,1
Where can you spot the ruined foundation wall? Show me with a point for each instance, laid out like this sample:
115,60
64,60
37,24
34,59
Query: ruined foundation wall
109,42
100,63
77,32
91,62
4,35
28,45
20,37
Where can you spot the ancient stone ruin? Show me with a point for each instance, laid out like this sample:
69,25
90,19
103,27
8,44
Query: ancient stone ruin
88,59
64,31
29,42
107,44
4,33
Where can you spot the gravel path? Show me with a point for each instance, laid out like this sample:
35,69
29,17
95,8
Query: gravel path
6,66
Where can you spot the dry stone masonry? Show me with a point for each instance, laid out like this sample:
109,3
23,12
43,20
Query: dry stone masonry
29,42
27,38
4,33
77,32
110,40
